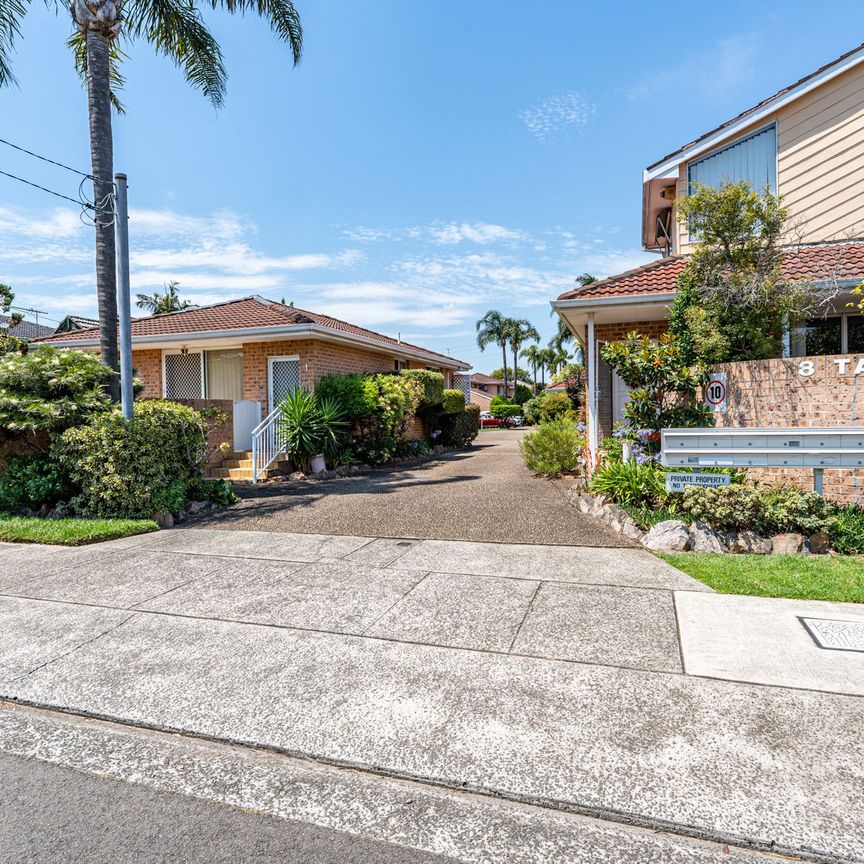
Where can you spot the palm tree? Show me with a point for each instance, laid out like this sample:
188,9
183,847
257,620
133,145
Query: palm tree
557,360
493,328
546,357
175,29
534,355
564,336
519,331
159,304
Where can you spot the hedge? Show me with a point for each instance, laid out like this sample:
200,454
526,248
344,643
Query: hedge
454,402
431,384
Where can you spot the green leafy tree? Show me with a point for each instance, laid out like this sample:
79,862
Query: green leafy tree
176,30
664,383
494,329
8,342
168,301
731,303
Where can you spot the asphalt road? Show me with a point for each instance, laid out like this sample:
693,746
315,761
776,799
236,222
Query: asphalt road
484,493
55,815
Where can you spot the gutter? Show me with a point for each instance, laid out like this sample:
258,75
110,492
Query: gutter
291,331
601,303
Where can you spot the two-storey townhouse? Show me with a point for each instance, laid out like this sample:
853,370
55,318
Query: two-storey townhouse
806,143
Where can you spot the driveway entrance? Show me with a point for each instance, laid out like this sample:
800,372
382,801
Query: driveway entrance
484,493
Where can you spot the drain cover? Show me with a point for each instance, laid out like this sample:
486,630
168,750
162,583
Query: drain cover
836,635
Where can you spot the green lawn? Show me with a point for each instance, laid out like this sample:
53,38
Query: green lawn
801,577
70,532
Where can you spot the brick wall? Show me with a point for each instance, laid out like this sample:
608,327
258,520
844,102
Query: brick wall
772,393
317,359
148,365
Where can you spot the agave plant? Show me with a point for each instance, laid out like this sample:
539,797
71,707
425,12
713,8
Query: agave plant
311,427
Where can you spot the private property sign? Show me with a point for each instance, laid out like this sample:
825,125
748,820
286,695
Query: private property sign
679,481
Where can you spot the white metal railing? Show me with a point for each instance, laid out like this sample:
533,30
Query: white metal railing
267,443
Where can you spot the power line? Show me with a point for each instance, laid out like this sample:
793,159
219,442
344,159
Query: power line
86,204
46,159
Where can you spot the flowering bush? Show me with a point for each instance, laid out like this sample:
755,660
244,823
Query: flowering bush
395,399
555,448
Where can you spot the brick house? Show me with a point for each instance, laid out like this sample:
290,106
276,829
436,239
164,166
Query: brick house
245,355
806,143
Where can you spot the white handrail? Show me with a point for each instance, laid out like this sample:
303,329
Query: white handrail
267,443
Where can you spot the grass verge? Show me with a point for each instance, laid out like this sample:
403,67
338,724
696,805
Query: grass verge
801,577
70,532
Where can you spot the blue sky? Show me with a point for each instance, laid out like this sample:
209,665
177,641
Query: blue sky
424,163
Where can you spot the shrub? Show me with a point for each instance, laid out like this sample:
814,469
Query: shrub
134,468
411,447
531,410
51,390
553,406
765,511
630,483
211,489
396,398
522,395
499,400
504,409
847,532
31,481
459,430
354,394
311,425
431,387
553,448
454,402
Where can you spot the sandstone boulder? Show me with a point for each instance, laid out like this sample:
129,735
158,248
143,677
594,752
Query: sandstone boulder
703,538
787,544
669,536
748,543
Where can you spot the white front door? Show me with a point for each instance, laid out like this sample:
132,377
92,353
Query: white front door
620,395
283,377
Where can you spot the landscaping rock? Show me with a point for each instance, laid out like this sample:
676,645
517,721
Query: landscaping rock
195,507
703,538
632,531
296,475
164,520
787,544
819,543
748,543
669,536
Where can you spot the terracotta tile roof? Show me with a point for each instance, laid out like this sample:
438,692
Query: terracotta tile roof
480,378
27,330
823,263
247,313
755,108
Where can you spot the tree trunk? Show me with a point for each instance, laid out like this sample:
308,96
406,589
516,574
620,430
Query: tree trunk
535,378
504,355
102,160
515,348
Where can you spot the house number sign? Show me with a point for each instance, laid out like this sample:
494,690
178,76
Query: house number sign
839,365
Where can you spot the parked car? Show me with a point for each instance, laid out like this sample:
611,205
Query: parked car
487,421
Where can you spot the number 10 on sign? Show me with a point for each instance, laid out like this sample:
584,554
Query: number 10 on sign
717,393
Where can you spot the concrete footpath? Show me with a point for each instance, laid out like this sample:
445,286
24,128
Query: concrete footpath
596,682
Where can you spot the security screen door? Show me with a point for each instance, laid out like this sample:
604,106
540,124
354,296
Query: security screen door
184,376
284,378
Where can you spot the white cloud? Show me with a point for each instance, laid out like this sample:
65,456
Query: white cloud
558,116
711,73
443,233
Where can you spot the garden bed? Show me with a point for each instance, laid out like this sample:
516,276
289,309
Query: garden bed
70,532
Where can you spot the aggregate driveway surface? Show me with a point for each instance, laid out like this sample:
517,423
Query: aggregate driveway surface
483,493
557,678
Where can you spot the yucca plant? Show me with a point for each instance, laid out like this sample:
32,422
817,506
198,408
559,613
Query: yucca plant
311,427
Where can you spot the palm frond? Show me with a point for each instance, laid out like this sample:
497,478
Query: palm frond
77,43
283,17
11,13
176,30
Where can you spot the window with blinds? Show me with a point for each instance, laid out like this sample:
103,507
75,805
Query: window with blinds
225,374
753,159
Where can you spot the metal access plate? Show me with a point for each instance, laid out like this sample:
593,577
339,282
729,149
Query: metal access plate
834,634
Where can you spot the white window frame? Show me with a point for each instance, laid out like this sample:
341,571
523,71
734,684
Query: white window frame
270,362
200,353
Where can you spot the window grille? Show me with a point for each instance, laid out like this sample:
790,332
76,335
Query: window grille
183,376
284,379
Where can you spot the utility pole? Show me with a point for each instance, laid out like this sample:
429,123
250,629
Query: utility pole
124,304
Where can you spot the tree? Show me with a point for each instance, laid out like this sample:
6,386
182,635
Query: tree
159,304
519,331
547,358
564,336
534,355
8,342
493,328
664,384
175,29
730,303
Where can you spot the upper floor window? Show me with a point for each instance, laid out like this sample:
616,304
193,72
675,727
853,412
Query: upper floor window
753,159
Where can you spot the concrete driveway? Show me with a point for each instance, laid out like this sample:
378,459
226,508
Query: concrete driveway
593,692
484,493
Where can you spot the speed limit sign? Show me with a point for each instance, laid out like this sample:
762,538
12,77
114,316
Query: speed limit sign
716,392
